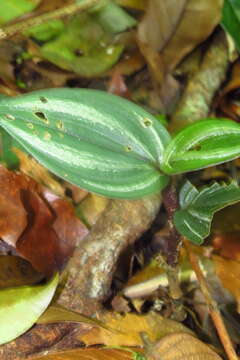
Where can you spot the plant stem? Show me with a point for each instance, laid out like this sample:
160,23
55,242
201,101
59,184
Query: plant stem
212,305
12,29
170,201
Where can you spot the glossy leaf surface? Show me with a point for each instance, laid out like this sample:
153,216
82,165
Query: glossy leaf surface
98,141
197,208
231,19
202,144
20,308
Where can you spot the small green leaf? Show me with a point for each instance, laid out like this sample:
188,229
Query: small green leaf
20,308
197,208
98,141
231,20
11,9
202,144
7,156
114,19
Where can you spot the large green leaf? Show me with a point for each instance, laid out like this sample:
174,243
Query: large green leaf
20,308
231,19
197,208
202,144
98,141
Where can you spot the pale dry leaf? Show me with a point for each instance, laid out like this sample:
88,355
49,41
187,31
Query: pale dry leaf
181,346
92,207
228,271
168,26
129,328
31,167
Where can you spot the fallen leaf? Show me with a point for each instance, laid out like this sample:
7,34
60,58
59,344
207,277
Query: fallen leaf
83,47
39,173
92,354
167,27
227,245
228,272
129,328
181,346
91,208
56,313
17,272
227,102
41,226
165,37
20,307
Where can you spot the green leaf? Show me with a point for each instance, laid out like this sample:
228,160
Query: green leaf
11,9
7,156
231,20
114,19
197,208
46,31
202,144
98,141
83,47
20,308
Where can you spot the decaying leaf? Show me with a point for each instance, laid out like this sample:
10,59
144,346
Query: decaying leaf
227,103
228,272
93,354
166,35
181,346
56,313
167,27
31,167
91,208
41,226
17,272
129,328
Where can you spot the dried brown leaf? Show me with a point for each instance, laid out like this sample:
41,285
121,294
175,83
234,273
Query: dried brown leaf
41,226
89,354
181,346
17,272
168,26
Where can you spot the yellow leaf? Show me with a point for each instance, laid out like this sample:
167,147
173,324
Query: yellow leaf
129,328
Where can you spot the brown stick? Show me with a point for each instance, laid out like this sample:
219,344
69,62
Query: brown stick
12,29
213,306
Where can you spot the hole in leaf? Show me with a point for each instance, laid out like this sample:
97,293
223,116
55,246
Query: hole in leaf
147,122
43,99
128,148
197,147
41,116
79,52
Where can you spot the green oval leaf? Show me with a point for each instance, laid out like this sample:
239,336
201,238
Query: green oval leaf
98,141
202,144
20,308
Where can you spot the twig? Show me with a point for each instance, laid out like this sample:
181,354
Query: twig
213,306
12,29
